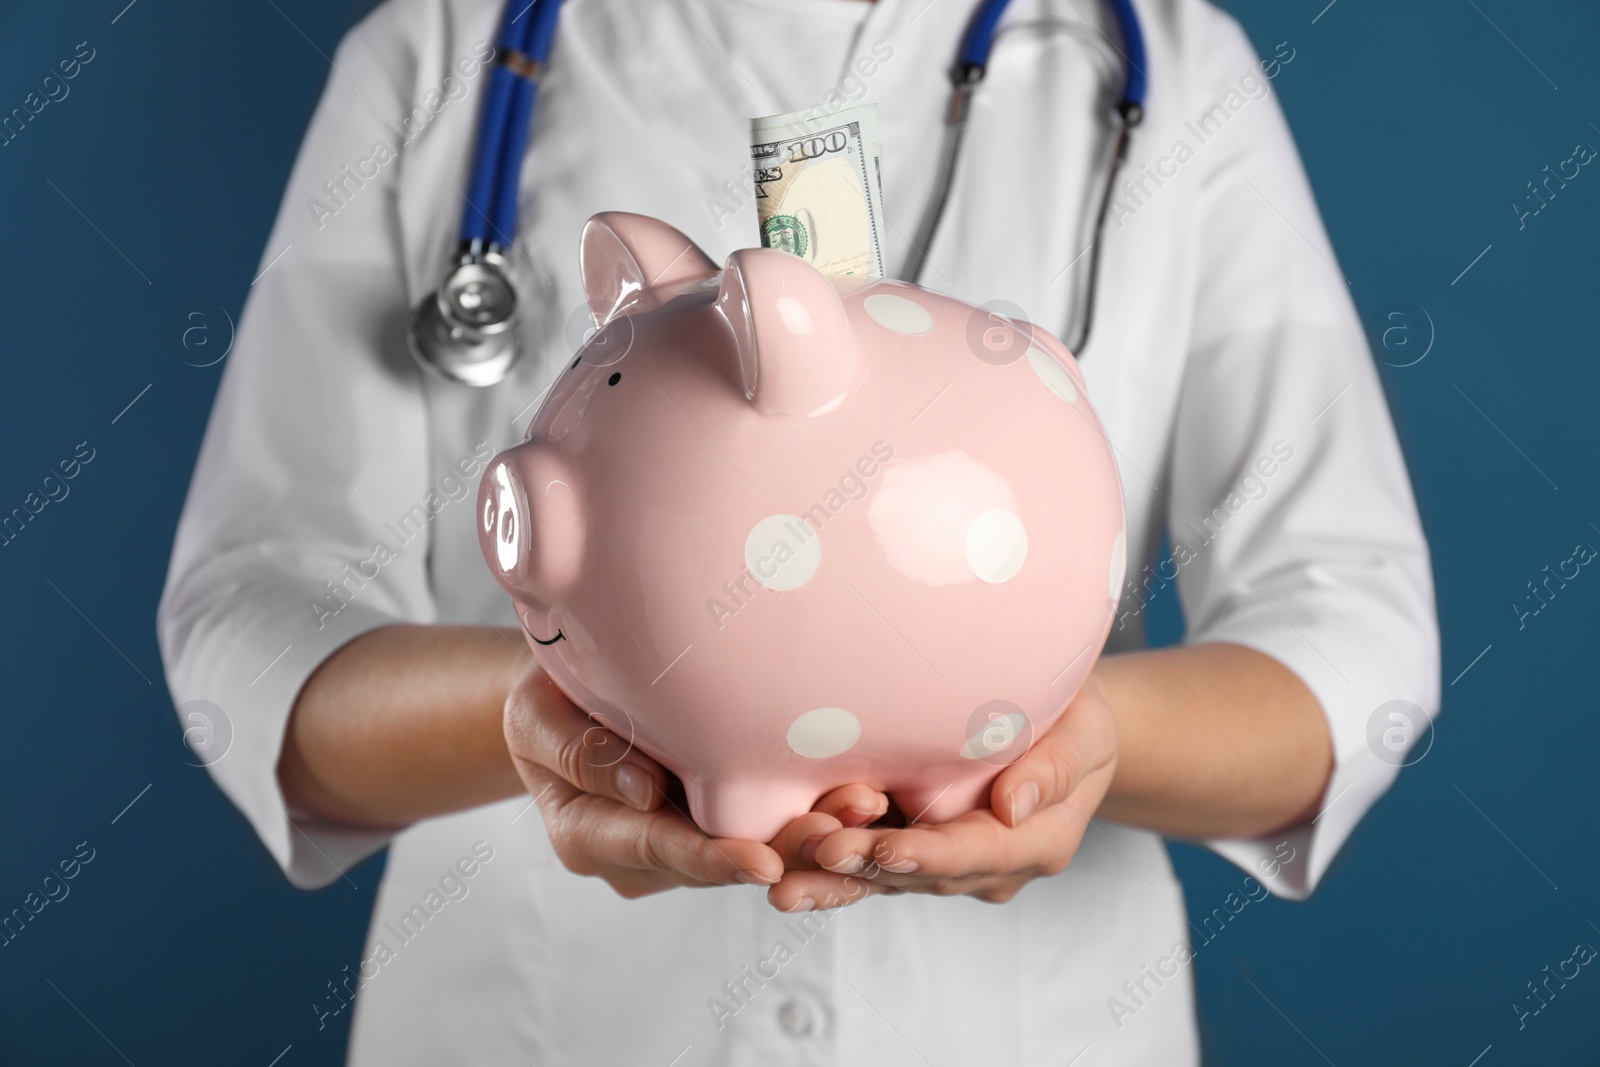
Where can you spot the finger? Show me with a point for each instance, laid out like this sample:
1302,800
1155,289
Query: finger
666,840
571,813
797,843
975,845
978,844
854,805
803,891
997,890
1079,743
543,727
849,851
633,884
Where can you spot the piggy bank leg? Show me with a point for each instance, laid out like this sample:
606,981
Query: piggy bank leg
752,809
947,798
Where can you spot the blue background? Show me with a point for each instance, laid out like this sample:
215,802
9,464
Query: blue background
144,198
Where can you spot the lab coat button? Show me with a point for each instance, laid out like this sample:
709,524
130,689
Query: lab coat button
796,1018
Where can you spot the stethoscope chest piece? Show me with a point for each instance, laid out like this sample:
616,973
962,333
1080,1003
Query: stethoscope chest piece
466,331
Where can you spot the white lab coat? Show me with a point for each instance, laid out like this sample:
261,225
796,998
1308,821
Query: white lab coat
1228,366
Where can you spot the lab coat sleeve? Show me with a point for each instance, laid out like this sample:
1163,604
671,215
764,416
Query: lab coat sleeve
306,519
1291,514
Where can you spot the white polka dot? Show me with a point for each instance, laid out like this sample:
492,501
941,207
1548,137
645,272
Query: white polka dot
997,735
1055,377
898,314
1119,563
996,545
824,732
783,552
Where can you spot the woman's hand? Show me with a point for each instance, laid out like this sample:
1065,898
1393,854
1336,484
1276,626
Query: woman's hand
1040,808
612,814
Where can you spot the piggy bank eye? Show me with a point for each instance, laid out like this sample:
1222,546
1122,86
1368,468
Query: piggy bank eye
615,378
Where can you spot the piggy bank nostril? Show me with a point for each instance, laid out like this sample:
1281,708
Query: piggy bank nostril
504,498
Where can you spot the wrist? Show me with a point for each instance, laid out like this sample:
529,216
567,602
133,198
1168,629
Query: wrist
518,659
1130,726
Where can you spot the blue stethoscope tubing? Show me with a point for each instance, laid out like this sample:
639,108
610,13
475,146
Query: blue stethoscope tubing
978,42
972,62
523,49
479,351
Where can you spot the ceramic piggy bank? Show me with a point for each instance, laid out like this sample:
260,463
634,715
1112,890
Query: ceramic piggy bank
784,532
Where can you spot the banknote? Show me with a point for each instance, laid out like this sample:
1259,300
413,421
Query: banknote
818,191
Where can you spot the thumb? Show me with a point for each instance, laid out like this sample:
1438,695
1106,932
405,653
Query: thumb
1083,739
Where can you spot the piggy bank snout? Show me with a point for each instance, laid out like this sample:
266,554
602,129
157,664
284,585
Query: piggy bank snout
530,524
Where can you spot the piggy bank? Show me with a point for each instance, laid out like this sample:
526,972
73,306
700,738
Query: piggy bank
785,532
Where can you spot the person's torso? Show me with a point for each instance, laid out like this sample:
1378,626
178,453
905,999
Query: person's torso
645,108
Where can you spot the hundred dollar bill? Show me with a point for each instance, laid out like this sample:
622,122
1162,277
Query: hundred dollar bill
817,188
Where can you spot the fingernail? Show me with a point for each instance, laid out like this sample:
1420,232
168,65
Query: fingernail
808,850
756,878
903,867
1024,801
634,785
851,864
861,818
803,904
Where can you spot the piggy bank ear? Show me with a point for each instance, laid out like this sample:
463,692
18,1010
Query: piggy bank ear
624,257
797,353
530,524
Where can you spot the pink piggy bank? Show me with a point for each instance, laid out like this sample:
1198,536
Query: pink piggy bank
786,532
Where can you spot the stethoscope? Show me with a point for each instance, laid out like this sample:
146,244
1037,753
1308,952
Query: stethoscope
466,331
